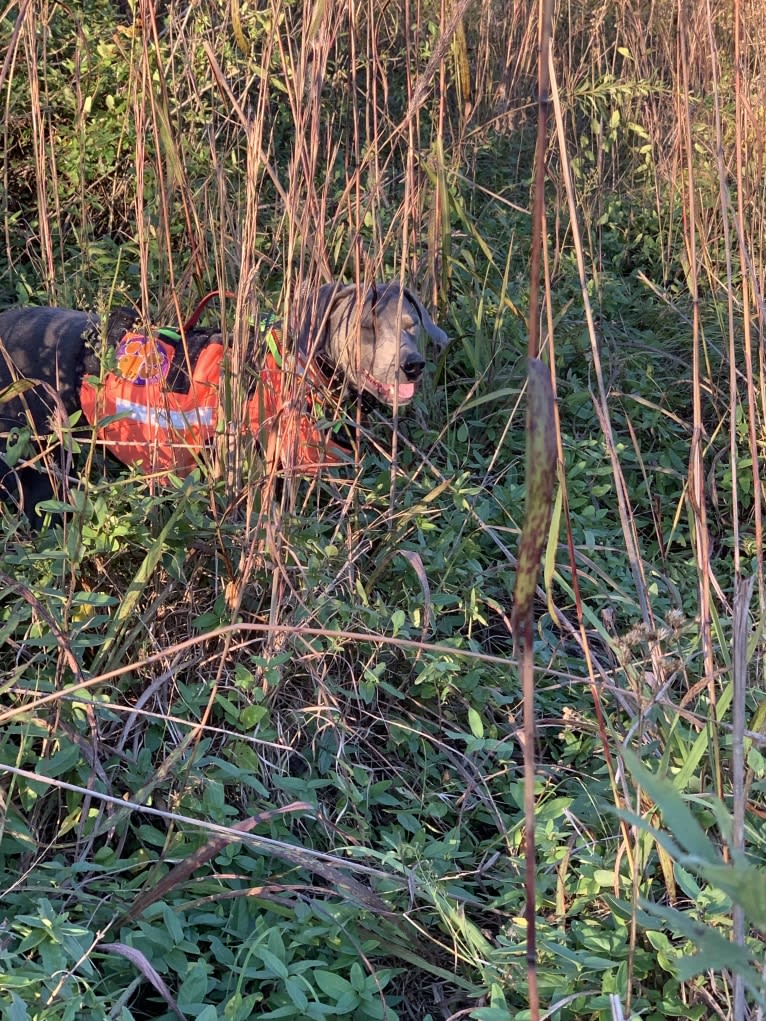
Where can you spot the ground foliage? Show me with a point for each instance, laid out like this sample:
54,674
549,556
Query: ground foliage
328,664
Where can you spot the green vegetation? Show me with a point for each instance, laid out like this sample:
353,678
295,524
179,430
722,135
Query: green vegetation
261,746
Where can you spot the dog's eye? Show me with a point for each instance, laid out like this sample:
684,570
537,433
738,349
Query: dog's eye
408,323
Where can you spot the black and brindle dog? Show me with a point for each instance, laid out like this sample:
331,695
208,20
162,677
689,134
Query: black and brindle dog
368,341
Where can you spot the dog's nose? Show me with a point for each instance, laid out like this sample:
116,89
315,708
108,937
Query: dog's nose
412,367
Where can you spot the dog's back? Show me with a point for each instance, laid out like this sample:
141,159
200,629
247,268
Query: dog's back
50,347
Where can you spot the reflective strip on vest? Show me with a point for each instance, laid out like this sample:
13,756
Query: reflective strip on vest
161,418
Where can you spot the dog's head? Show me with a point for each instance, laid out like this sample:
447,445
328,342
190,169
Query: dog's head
370,337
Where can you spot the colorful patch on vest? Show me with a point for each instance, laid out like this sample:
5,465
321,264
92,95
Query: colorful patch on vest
142,360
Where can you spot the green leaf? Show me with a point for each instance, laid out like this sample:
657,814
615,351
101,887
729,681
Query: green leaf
715,950
252,715
195,984
17,1010
475,723
357,978
332,984
294,989
15,389
745,884
347,1002
676,814
276,943
172,924
60,762
271,962
398,617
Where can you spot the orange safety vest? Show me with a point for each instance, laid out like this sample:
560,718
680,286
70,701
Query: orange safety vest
144,423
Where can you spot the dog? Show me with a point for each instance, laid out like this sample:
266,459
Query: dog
155,403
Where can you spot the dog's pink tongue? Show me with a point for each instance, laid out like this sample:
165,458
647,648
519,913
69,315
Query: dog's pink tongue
406,391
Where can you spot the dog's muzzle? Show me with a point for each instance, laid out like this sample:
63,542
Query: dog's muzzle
412,367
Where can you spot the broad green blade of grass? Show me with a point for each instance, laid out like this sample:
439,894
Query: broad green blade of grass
676,814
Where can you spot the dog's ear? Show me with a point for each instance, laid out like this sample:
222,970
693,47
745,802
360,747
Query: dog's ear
437,335
316,308
121,321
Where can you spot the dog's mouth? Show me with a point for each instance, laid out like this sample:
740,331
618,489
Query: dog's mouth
401,393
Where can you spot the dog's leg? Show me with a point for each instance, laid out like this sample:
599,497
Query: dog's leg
23,488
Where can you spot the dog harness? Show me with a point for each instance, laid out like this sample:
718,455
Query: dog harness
144,422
